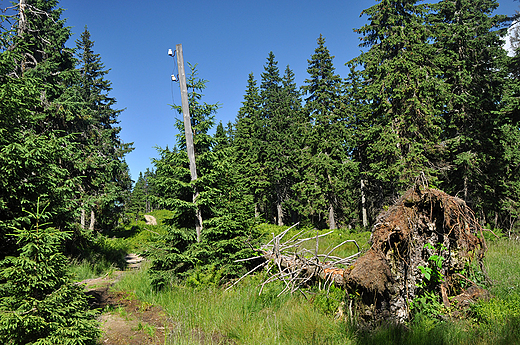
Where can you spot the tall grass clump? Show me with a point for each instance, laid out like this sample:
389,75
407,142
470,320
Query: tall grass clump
100,257
499,318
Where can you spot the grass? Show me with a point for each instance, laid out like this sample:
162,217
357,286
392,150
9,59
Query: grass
244,317
241,314
107,251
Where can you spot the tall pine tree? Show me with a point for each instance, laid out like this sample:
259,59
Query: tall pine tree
249,143
37,151
471,59
105,178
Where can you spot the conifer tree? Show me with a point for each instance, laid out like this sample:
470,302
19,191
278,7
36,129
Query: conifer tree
138,197
281,115
326,155
37,151
398,128
39,304
250,145
224,200
105,181
471,59
172,169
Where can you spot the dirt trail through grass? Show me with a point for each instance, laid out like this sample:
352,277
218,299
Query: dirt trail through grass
125,319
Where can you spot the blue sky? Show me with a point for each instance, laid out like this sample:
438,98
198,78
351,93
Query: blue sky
227,39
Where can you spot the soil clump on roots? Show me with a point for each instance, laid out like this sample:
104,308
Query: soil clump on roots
426,230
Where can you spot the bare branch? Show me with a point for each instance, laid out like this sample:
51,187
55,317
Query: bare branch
297,267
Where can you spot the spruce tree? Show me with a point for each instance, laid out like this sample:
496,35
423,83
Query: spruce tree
138,197
105,178
326,154
250,145
37,151
399,127
39,303
471,59
277,101
172,169
224,200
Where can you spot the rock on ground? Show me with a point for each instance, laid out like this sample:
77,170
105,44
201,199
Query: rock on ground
150,220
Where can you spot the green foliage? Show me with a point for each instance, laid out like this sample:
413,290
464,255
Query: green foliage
39,304
223,198
328,173
432,272
398,125
139,199
177,256
329,301
427,300
427,303
105,179
57,133
171,257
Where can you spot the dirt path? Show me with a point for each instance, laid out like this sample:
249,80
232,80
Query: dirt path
125,319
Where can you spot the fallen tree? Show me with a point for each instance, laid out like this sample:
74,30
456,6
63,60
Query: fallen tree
423,245
292,263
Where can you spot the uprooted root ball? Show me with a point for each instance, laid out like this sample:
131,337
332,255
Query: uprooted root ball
422,244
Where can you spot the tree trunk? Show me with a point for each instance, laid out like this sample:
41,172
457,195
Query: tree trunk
92,220
279,209
22,22
363,204
198,215
332,219
332,197
82,219
279,213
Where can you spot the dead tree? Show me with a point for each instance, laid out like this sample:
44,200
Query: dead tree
422,224
296,266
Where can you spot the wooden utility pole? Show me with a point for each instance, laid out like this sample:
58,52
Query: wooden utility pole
188,133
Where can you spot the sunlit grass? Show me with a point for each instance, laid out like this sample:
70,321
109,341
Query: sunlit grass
242,316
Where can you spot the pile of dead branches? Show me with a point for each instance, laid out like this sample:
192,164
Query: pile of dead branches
296,266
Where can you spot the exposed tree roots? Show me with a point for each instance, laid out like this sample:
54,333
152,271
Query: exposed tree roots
426,230
423,223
